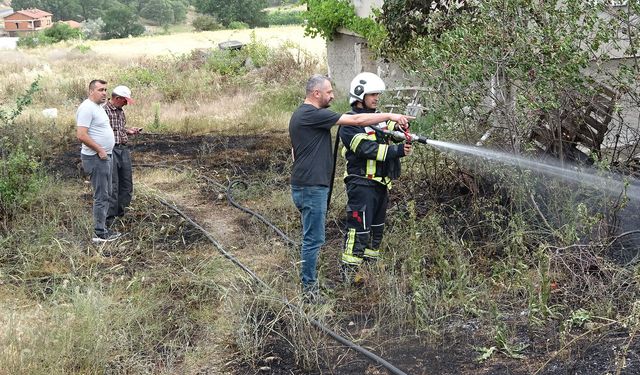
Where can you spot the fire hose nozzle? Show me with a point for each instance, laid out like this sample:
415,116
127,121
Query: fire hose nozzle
419,138
400,136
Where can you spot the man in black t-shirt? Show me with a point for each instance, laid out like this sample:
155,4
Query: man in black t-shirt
309,130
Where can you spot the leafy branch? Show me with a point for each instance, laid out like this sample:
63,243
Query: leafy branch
325,17
8,116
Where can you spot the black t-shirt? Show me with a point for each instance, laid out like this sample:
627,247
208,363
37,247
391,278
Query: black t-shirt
309,130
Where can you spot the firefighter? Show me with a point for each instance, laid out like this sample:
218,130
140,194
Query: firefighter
372,162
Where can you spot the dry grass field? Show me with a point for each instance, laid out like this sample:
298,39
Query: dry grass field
185,42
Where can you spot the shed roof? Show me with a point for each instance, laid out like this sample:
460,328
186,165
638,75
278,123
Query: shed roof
73,24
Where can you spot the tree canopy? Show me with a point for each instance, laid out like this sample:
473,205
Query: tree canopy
161,11
120,21
250,12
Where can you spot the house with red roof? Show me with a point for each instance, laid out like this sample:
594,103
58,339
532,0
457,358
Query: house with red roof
26,21
73,24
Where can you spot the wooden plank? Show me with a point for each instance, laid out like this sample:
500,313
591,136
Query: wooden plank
598,126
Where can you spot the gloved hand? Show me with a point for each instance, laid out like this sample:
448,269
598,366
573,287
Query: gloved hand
408,149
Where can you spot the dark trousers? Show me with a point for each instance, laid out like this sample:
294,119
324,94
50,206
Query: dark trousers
366,213
99,172
121,182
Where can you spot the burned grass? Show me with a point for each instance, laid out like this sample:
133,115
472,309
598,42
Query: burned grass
495,300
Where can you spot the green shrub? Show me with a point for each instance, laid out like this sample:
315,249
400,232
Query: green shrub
20,180
237,25
285,18
83,48
225,62
58,32
143,76
33,41
61,31
258,52
205,22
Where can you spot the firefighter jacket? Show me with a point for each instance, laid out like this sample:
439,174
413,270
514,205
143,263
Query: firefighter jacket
371,158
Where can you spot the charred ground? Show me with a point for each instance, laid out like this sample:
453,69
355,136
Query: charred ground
453,349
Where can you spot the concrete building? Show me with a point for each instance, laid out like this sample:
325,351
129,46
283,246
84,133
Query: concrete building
348,53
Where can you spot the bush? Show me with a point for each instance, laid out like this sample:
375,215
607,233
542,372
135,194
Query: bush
225,62
20,180
285,18
257,52
143,76
206,22
92,29
83,48
237,25
61,31
33,41
20,175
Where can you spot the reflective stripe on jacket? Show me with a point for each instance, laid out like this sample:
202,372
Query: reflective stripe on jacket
369,155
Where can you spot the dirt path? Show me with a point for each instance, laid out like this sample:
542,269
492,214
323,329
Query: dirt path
205,204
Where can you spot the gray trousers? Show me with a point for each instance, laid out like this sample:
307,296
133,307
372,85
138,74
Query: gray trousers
121,181
99,172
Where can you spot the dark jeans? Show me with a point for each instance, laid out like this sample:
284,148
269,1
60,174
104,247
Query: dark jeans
99,172
311,201
121,182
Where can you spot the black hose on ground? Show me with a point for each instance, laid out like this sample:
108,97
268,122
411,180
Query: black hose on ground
228,193
326,330
235,204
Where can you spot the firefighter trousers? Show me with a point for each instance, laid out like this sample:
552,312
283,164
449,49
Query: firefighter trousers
366,212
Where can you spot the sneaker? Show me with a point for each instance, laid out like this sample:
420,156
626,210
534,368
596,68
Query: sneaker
106,237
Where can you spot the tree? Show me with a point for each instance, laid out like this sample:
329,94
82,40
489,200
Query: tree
120,22
180,10
250,12
205,22
26,4
502,63
136,5
164,12
61,9
93,28
92,9
160,11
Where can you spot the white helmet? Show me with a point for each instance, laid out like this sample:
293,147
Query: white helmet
363,84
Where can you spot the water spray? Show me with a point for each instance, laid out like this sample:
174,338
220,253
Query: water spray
603,180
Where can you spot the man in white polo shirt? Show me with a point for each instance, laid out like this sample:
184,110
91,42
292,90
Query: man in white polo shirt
94,131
